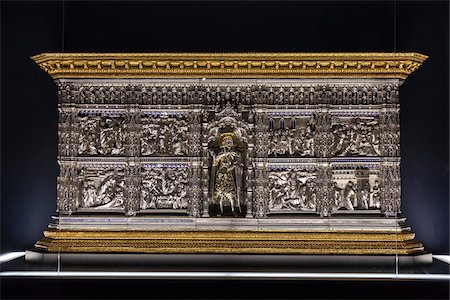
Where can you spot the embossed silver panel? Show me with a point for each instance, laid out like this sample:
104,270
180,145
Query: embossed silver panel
311,146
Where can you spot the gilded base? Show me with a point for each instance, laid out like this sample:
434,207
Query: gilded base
237,242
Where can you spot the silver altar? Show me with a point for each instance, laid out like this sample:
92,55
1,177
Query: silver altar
284,154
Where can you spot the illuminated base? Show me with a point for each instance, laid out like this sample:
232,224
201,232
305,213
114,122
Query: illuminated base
230,241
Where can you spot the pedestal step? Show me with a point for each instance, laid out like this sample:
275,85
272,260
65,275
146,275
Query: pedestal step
230,241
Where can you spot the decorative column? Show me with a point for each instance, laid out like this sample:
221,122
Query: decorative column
195,131
322,150
195,150
133,184
67,132
390,185
68,187
205,167
133,181
261,184
67,181
195,190
249,184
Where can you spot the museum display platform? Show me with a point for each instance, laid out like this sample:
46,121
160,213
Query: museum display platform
201,276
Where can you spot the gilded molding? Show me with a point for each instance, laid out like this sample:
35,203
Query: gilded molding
229,65
256,242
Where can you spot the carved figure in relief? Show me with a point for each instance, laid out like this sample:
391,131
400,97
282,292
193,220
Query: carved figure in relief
88,136
111,137
337,195
356,137
292,141
226,172
292,190
165,136
164,188
376,196
108,194
101,135
350,197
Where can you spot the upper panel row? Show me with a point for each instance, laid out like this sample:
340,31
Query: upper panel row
383,92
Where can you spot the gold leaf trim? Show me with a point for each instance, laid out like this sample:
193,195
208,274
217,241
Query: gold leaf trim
229,65
230,242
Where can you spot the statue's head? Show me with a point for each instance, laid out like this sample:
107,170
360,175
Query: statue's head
227,140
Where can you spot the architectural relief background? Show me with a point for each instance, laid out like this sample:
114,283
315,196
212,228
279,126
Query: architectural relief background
237,134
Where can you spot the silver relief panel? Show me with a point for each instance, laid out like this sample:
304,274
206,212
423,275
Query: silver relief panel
102,188
164,188
355,136
164,135
292,189
291,136
356,189
157,131
101,135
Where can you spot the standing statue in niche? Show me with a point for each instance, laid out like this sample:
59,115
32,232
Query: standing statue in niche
226,176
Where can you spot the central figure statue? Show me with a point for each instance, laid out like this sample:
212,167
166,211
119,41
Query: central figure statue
226,176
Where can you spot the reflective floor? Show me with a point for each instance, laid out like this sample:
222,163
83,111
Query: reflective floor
433,267
216,277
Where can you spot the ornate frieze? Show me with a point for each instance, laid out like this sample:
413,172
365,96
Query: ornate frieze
146,94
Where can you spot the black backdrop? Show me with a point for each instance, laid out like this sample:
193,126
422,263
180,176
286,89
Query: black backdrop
29,102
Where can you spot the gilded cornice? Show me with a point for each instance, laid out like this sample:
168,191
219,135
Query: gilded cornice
229,65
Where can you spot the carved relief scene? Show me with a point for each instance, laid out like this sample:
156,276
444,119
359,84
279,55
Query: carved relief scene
164,135
164,188
101,135
355,136
102,188
355,190
292,189
230,139
291,136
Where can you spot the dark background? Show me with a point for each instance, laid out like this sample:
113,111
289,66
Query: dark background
29,100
